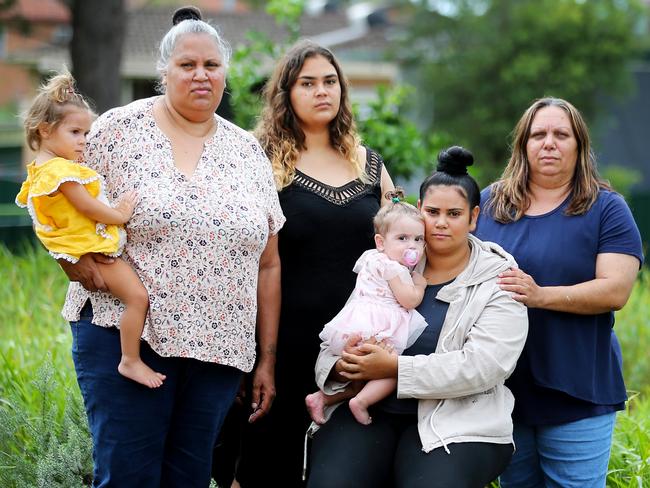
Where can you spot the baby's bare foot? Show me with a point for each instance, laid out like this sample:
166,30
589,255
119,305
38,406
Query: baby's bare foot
316,407
136,370
360,411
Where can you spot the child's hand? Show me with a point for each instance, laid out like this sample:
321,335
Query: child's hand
126,205
418,279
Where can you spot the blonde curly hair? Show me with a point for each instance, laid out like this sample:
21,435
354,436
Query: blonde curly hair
51,105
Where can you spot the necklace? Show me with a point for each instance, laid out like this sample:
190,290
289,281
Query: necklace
200,130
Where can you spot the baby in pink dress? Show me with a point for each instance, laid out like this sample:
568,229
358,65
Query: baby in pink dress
381,306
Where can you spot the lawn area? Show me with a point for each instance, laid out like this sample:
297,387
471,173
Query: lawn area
43,434
12,210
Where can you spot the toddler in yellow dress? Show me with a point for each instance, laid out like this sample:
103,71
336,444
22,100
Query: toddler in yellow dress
71,215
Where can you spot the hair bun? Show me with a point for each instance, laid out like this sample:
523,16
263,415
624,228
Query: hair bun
186,13
454,160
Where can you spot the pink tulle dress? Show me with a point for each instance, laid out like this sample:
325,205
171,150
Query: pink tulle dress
372,310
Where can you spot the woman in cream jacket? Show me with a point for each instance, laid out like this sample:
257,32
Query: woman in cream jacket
449,423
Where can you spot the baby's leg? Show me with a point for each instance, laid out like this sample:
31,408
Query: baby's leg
371,393
316,402
123,282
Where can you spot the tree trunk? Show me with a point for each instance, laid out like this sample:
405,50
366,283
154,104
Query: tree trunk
96,49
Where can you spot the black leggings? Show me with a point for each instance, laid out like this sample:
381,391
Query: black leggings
388,453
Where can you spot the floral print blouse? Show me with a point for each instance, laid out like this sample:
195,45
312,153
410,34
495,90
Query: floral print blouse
194,241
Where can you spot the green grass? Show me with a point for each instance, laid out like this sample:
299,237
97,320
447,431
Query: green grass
32,329
629,463
633,331
43,434
12,210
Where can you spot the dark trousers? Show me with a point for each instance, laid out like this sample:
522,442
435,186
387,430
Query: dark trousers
227,451
388,453
149,438
272,447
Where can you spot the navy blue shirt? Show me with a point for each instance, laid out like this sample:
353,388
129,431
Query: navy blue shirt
571,366
434,312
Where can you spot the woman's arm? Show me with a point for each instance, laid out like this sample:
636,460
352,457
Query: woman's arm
86,272
608,291
487,357
386,185
330,366
96,210
268,316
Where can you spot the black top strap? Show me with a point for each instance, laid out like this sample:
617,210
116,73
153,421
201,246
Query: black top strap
342,195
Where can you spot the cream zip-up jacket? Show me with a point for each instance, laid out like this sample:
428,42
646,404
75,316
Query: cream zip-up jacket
461,391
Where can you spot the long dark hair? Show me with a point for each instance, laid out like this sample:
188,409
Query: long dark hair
279,129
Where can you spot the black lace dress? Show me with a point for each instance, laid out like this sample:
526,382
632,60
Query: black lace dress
326,231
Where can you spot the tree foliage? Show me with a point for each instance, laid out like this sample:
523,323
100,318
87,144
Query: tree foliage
483,62
402,145
383,124
252,60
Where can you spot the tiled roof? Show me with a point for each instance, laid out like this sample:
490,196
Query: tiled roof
147,25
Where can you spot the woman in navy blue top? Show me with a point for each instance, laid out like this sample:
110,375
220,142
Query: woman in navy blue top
579,251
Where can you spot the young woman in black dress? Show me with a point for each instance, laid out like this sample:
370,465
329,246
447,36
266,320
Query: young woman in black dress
330,188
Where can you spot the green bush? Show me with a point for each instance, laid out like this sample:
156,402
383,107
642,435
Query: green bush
633,331
629,464
404,148
621,178
40,445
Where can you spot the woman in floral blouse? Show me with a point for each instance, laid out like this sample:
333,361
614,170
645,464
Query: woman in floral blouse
203,240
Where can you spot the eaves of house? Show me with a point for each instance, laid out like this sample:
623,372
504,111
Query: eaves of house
359,47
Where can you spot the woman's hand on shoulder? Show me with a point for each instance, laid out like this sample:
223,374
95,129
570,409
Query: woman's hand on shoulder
608,291
85,271
523,287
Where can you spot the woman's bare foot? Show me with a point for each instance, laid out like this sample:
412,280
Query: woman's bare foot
316,406
136,370
360,411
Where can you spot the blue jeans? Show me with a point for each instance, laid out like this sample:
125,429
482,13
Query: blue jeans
574,454
142,437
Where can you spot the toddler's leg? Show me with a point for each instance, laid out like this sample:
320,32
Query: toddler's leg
371,393
123,282
316,402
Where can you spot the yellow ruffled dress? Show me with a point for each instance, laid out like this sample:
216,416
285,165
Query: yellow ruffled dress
63,230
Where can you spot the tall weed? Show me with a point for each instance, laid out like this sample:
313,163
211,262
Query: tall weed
45,447
633,331
629,463
32,331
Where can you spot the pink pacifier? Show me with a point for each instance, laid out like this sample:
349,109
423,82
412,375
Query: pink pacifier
411,257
